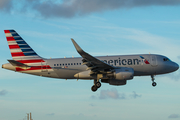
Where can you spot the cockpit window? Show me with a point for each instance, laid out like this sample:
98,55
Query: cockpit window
166,59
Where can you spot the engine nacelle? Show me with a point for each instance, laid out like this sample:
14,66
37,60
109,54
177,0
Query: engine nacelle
114,82
119,74
85,75
122,74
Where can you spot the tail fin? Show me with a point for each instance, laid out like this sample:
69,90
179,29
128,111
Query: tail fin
20,50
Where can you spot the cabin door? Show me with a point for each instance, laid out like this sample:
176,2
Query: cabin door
154,61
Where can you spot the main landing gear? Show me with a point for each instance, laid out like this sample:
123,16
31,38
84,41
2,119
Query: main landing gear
96,85
153,83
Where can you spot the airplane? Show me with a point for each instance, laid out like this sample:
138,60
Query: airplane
115,70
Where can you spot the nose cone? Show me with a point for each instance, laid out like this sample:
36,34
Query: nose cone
176,66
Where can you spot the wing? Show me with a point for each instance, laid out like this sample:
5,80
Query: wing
93,64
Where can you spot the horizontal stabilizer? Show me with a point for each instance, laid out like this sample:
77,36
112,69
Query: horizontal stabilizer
18,64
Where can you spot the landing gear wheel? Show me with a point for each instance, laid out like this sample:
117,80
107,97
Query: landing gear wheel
94,88
98,84
154,84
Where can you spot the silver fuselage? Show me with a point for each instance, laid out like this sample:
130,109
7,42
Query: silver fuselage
66,68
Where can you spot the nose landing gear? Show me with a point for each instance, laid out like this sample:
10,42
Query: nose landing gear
153,83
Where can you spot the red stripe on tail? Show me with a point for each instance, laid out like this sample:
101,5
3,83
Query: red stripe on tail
31,61
7,31
10,38
14,46
17,54
34,68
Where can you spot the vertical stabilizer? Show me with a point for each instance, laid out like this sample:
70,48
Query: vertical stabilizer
20,50
24,57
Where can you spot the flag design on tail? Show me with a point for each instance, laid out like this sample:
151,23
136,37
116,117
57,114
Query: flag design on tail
145,61
23,53
20,50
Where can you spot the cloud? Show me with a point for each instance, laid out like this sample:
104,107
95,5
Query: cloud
178,57
5,4
173,76
174,116
81,114
50,114
93,97
114,94
92,105
135,95
3,92
73,8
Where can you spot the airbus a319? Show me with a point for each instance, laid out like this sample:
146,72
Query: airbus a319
115,70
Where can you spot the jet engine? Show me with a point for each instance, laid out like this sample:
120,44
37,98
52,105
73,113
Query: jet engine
119,76
122,74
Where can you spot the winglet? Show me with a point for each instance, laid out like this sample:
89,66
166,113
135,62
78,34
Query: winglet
95,63
78,48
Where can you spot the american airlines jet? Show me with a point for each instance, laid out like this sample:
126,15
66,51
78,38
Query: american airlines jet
115,70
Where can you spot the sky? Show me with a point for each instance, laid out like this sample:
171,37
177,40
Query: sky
100,27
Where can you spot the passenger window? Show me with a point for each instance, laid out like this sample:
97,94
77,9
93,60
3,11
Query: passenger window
57,64
71,63
77,63
63,64
60,64
68,63
54,64
74,63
